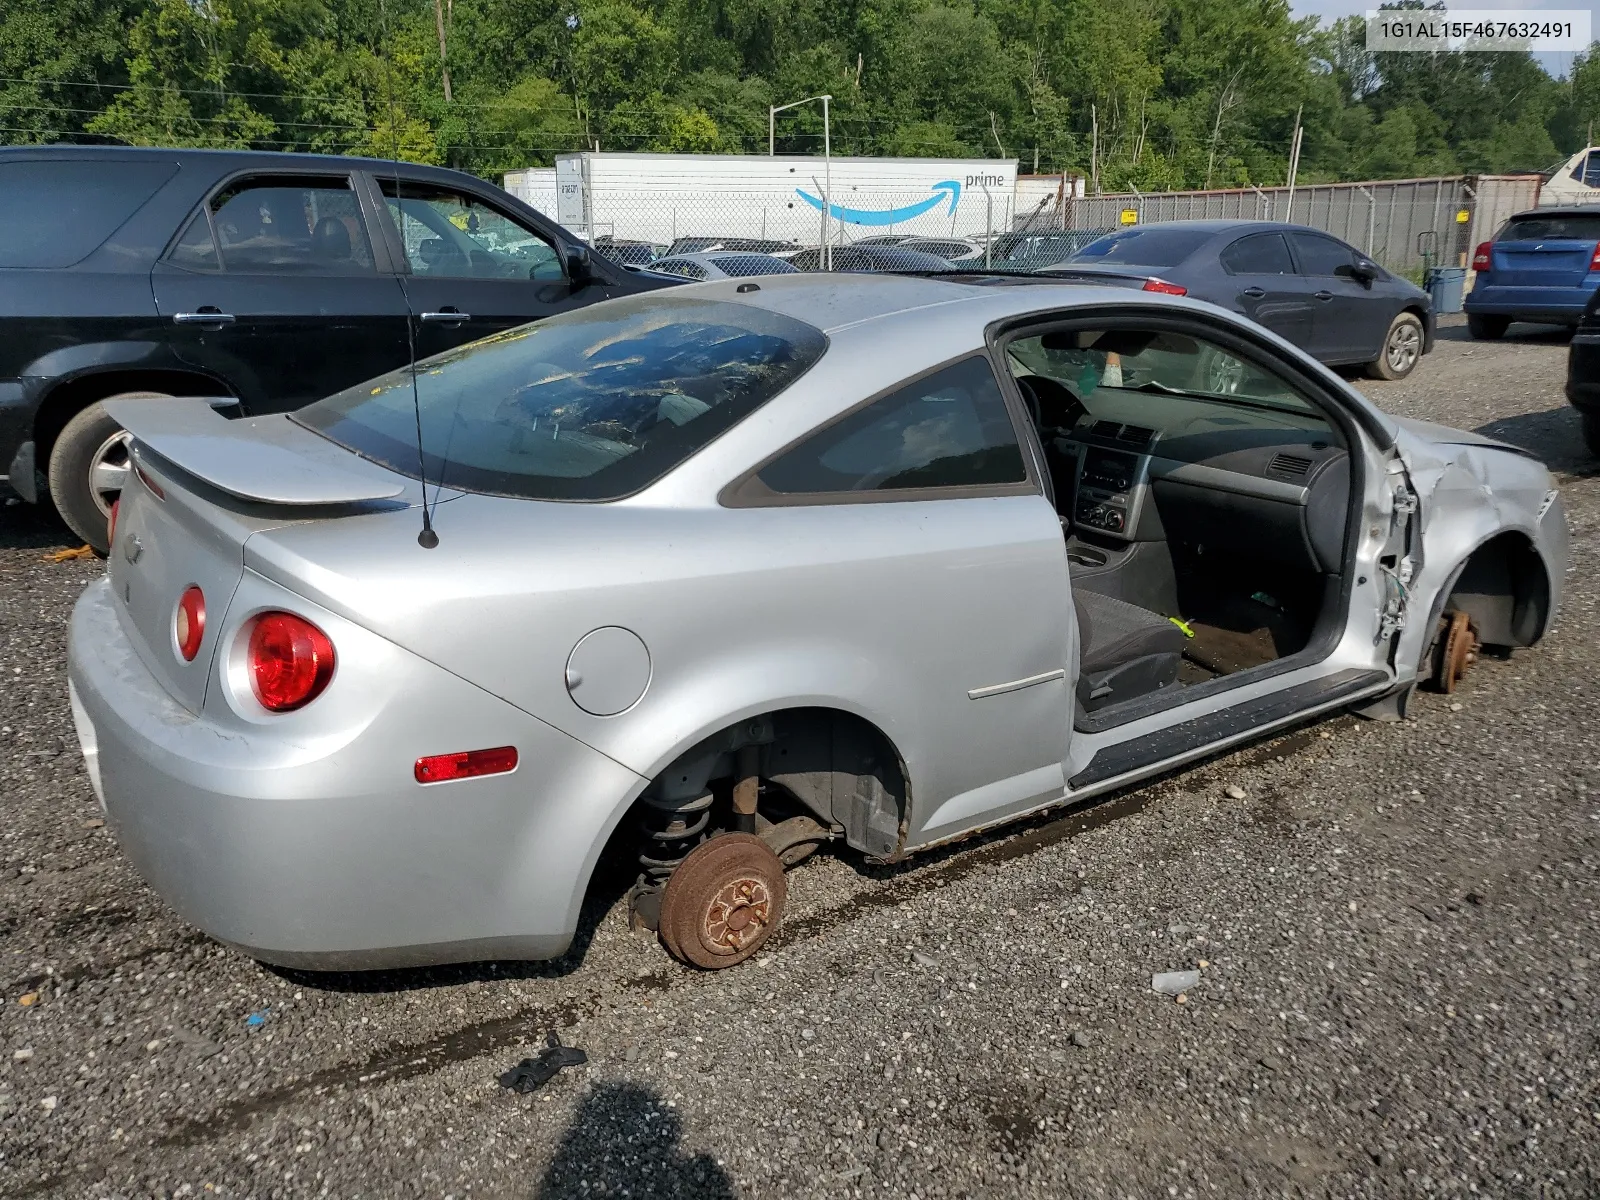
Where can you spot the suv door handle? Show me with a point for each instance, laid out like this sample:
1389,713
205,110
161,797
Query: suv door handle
1254,293
1323,295
206,316
449,315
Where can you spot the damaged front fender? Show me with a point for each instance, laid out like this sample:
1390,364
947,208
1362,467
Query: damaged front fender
1496,509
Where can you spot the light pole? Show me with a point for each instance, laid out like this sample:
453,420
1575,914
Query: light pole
827,165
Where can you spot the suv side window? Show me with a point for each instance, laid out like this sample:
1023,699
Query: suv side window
1321,255
454,235
1258,254
278,225
949,429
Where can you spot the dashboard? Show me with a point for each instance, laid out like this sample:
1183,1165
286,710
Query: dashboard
1269,481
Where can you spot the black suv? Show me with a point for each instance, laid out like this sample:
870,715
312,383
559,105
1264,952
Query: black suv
268,279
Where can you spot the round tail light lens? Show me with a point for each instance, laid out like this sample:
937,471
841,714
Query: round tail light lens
111,522
291,661
189,623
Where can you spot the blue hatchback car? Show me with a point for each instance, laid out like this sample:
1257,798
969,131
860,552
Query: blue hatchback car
1542,266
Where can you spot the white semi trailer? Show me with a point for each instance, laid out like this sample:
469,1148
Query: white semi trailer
659,198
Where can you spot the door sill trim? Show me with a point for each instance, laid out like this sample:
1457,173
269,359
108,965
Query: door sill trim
1175,741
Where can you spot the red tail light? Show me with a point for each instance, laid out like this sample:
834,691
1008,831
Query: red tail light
189,623
1594,259
466,765
291,661
1480,256
1165,288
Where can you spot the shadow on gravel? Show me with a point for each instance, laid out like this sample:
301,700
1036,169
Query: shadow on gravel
33,527
1532,335
623,1141
1554,435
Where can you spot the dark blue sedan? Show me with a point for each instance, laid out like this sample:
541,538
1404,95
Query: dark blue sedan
1305,285
1542,266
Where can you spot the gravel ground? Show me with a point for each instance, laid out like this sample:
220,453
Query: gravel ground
1395,930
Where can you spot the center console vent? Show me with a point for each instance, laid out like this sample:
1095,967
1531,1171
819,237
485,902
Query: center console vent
1128,435
1290,466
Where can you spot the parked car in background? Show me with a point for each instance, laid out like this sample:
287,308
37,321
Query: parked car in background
731,574
1312,289
722,264
1542,266
872,258
266,280
1583,372
627,252
883,239
955,250
1037,248
699,245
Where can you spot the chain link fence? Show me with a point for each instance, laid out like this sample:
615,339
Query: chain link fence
1404,224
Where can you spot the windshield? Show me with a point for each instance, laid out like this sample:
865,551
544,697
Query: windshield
1152,246
1112,363
589,405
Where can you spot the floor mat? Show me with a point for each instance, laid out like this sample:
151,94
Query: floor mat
1225,651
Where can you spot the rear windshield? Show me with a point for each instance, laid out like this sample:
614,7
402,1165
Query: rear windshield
53,214
1583,227
1152,246
589,405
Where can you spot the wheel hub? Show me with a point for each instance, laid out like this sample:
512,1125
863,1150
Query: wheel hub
738,914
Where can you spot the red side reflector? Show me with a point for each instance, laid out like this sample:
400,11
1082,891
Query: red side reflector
440,768
111,522
1480,256
1165,288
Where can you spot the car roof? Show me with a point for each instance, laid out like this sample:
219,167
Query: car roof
1551,210
235,159
1221,225
831,301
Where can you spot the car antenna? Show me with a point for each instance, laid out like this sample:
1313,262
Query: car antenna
428,538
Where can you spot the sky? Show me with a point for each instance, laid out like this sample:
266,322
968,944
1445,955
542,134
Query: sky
1556,64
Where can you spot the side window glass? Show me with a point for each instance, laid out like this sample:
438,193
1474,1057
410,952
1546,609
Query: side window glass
457,236
1320,255
282,225
950,429
196,249
1258,254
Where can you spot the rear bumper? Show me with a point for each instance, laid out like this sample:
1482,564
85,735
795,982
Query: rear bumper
330,855
1551,305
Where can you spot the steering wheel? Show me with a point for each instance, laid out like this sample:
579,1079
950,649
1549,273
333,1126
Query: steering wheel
1052,404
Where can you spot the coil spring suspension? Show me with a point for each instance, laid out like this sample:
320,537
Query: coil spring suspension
669,827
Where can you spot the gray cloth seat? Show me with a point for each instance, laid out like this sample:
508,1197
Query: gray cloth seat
1123,650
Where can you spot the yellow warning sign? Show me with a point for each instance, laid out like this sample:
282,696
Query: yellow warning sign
1130,216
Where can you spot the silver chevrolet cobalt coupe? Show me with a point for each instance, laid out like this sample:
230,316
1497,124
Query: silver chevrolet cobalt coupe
733,571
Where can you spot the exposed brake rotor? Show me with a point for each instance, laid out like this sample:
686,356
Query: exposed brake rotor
723,901
1458,650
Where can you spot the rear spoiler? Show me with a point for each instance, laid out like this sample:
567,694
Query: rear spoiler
268,459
